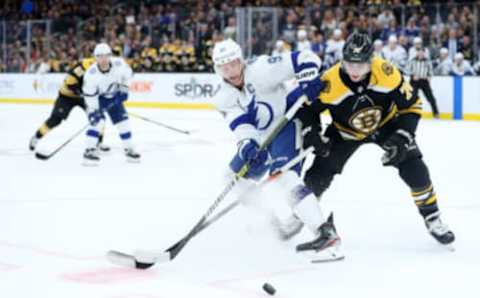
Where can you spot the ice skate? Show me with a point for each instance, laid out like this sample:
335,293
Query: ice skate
326,247
132,155
103,148
90,157
440,231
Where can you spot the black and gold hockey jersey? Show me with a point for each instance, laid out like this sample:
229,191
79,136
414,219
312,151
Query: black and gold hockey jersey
72,84
358,109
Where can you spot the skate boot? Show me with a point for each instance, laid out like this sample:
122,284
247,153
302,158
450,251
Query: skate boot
287,228
103,148
326,247
438,229
90,157
132,155
33,143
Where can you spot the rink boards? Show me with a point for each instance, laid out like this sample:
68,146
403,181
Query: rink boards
457,97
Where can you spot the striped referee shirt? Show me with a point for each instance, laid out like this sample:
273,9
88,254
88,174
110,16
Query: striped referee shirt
420,68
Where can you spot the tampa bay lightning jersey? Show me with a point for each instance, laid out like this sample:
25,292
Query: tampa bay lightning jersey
266,94
97,83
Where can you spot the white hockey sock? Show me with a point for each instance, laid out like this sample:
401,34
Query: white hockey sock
125,133
309,211
93,134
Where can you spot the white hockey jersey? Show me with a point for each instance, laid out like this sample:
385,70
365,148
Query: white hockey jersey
97,83
396,56
252,111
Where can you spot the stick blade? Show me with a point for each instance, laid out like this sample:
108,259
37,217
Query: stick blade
41,156
141,260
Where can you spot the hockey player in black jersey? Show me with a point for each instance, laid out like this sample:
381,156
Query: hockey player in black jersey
69,96
370,102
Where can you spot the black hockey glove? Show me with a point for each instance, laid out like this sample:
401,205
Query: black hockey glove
320,143
396,147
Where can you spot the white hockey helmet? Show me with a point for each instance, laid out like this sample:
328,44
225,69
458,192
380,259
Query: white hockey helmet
102,49
226,51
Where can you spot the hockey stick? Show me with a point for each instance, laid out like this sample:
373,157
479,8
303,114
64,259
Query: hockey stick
146,259
42,156
48,156
171,252
186,132
274,175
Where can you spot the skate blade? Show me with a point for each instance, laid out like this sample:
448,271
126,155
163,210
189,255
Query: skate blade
330,254
449,247
133,160
89,163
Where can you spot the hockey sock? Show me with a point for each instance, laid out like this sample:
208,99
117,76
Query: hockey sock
426,200
42,131
308,208
125,133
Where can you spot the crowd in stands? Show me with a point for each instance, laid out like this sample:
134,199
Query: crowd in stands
178,35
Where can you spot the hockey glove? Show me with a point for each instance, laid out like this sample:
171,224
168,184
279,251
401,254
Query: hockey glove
396,147
249,152
94,116
312,89
320,143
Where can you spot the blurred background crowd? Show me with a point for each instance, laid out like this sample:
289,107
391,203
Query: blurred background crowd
177,36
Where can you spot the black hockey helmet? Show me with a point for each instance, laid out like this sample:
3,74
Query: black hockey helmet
358,47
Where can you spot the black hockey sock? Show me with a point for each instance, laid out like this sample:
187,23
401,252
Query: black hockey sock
426,200
42,131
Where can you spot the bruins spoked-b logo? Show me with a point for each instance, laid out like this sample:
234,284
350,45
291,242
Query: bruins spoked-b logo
366,120
387,68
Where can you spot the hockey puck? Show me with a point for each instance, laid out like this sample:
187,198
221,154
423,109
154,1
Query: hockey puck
269,288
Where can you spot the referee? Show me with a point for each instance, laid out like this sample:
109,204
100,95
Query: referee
420,69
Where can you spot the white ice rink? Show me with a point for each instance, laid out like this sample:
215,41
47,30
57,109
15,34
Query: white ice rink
58,218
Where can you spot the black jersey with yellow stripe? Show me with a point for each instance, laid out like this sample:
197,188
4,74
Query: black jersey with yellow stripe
358,109
72,84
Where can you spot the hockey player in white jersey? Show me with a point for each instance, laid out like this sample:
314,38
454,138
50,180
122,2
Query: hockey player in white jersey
106,88
252,98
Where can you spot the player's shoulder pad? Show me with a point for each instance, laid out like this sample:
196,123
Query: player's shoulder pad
226,97
117,61
385,76
305,59
335,90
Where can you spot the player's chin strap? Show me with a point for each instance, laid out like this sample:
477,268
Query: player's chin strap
170,253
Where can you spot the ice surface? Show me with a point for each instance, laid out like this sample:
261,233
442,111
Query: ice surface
58,218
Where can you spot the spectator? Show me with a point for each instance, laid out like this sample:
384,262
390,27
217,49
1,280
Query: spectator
231,30
461,67
417,44
395,53
319,45
452,43
280,48
443,64
466,48
411,30
385,18
377,48
335,46
302,41
27,7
